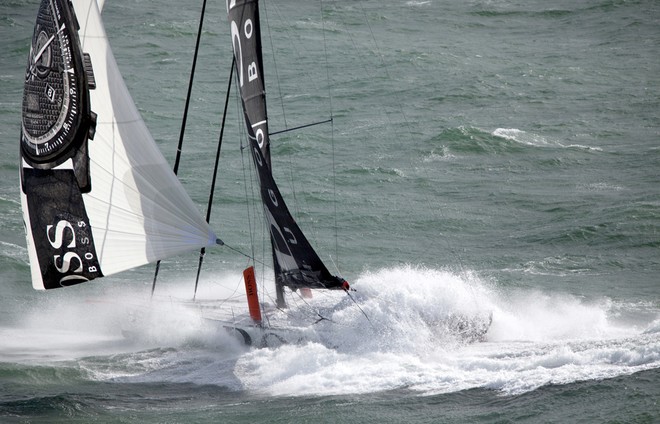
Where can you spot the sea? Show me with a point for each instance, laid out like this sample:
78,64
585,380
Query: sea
484,156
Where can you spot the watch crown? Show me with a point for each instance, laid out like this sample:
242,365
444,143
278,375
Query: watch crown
92,125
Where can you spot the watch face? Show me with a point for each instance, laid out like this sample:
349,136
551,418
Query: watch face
52,106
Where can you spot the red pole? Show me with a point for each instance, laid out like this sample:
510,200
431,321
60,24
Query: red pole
252,296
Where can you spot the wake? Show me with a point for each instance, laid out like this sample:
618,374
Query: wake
535,339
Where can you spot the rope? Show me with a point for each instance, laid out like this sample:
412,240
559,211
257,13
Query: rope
179,148
361,310
332,137
202,251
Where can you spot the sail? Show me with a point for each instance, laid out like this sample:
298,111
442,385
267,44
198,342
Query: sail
98,197
295,261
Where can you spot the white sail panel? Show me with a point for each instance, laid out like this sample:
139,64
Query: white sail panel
138,209
130,209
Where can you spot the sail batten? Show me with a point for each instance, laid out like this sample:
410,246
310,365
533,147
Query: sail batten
98,196
295,261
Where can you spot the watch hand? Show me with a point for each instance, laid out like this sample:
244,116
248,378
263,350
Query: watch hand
37,56
41,51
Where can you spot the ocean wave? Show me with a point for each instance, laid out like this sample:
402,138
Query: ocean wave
499,141
394,340
531,139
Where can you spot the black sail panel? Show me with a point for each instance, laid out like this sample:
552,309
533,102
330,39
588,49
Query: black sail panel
295,261
246,43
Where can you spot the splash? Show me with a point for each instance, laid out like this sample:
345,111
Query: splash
396,339
535,339
408,308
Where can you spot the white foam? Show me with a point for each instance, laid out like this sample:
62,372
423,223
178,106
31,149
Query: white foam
531,139
536,338
417,3
521,137
444,155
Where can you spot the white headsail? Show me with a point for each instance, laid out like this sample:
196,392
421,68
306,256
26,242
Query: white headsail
103,172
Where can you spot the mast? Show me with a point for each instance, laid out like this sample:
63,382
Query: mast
296,264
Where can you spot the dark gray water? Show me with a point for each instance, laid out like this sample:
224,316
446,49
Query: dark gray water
490,155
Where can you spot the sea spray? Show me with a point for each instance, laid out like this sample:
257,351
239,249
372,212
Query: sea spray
535,339
396,339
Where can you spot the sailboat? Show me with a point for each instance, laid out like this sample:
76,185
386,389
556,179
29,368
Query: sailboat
99,198
296,264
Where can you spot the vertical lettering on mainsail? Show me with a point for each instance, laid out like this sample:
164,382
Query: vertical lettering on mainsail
257,157
236,44
246,45
273,199
292,237
259,134
295,261
251,69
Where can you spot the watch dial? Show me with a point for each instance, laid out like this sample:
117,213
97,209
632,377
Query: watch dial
51,97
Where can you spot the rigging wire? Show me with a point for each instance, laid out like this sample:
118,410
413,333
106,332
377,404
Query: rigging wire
281,98
439,210
300,127
249,205
298,205
315,82
277,76
252,257
332,136
202,251
361,310
179,148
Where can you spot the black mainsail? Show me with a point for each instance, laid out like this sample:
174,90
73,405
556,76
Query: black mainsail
296,263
